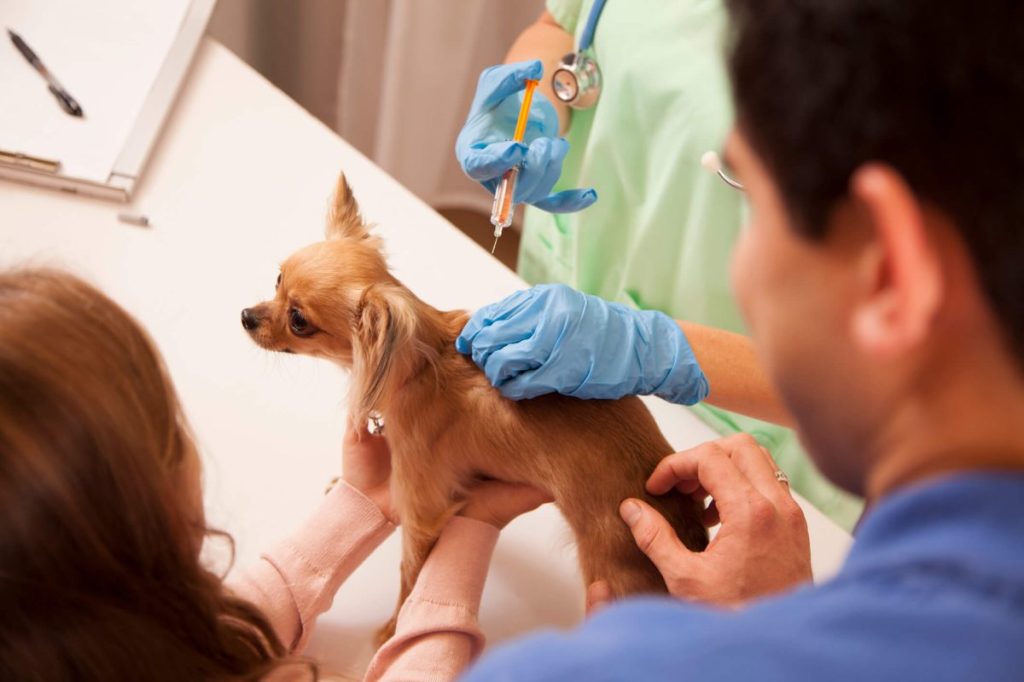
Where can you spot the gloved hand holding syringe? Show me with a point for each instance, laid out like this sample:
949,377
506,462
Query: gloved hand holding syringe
487,151
504,207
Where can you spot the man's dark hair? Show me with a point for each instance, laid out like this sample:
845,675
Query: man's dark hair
934,89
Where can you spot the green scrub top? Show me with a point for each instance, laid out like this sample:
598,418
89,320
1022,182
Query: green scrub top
662,230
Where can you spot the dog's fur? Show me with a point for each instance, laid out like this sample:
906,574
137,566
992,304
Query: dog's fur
447,427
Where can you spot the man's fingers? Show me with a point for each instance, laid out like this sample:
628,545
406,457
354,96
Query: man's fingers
678,470
686,486
599,595
761,468
758,466
709,517
654,536
692,489
707,466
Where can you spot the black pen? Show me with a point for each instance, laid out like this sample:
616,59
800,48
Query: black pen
67,102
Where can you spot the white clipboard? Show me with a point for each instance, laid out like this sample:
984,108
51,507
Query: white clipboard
123,60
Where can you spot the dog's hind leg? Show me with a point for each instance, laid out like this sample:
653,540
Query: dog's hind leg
607,550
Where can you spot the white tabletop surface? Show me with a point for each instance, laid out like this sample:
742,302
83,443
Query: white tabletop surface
240,178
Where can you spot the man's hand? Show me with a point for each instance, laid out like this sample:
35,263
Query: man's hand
366,466
762,546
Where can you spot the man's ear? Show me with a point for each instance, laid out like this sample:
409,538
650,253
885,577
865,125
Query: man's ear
901,278
344,219
382,347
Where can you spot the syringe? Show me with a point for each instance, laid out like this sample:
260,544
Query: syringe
501,211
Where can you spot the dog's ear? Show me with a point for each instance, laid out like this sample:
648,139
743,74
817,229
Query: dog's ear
344,219
383,347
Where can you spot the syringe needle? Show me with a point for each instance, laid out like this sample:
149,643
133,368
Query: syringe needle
504,205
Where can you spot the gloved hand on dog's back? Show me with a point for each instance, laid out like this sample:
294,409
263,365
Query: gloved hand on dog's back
486,151
554,339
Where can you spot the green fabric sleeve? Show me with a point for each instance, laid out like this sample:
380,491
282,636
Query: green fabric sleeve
566,13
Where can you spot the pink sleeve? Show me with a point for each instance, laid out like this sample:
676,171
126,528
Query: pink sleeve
437,633
296,581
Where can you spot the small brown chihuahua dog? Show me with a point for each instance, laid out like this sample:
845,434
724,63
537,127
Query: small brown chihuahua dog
447,427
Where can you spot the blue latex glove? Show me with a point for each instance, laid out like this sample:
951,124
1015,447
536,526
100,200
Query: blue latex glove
485,148
554,339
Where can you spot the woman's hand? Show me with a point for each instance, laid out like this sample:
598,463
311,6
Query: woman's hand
762,546
497,502
366,466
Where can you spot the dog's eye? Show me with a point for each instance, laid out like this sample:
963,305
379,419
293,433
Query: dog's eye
277,284
299,325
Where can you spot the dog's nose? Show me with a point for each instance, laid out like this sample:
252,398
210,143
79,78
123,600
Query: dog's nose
250,320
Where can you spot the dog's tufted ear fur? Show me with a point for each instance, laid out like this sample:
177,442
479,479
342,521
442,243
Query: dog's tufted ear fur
384,346
344,219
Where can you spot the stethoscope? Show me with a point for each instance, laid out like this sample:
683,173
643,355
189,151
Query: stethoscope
577,82
712,162
577,79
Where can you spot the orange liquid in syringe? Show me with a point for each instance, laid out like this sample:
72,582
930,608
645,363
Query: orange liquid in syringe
501,213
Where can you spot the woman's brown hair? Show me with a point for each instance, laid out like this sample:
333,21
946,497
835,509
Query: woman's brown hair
100,575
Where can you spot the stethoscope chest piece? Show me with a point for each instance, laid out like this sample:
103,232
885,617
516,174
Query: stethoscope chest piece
577,80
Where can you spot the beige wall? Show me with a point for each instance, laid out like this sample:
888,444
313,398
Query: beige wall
295,44
394,77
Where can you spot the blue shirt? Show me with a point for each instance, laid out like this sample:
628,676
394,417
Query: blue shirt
933,589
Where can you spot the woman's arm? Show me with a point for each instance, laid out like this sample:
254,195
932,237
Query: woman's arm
735,376
437,633
547,41
296,581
